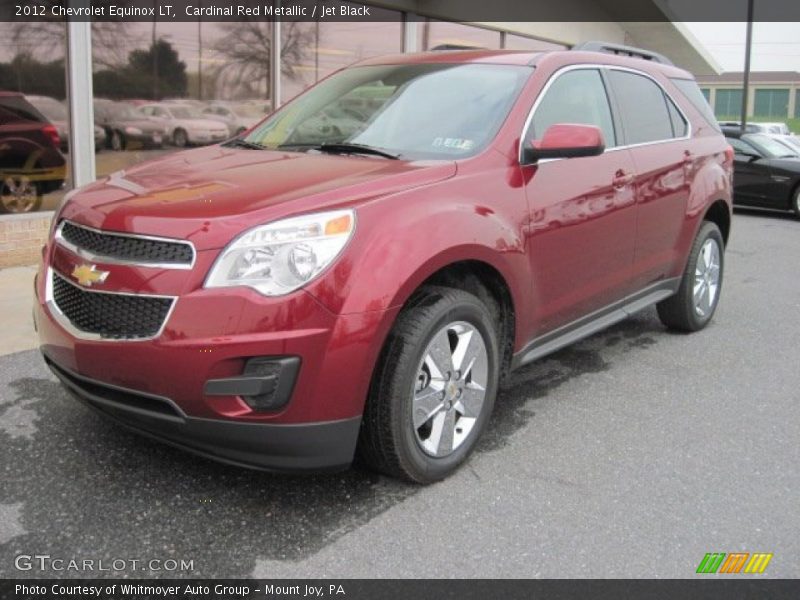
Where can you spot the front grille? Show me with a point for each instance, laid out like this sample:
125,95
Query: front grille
127,247
110,316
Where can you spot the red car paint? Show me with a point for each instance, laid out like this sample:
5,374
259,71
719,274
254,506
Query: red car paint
568,237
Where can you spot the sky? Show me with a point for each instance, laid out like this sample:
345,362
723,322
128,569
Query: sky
776,46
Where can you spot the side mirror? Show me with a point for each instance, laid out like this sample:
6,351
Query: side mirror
566,140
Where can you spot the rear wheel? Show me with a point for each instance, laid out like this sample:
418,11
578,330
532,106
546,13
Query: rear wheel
434,388
698,295
796,202
19,195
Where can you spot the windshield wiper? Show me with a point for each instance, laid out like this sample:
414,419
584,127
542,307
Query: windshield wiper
243,143
348,148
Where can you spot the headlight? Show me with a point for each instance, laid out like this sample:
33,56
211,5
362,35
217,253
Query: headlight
133,130
280,257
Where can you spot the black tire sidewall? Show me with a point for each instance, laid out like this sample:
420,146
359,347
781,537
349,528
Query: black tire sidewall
796,202
708,230
426,467
117,136
180,138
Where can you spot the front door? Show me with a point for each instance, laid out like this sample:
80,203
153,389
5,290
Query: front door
583,210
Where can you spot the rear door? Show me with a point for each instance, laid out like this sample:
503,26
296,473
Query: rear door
583,214
658,135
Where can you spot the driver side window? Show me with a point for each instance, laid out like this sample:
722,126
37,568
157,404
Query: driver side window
578,97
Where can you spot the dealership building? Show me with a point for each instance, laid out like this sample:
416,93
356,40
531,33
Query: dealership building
773,95
226,61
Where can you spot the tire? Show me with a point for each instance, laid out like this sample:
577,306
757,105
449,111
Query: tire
418,424
19,195
796,202
117,141
180,139
681,312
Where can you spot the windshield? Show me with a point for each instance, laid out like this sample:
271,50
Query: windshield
50,108
416,111
126,112
771,147
184,112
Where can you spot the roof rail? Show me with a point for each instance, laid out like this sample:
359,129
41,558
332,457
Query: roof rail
622,50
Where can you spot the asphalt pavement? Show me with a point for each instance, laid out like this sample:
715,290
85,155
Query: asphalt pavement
630,454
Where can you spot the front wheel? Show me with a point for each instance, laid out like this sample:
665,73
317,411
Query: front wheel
180,139
698,295
434,387
117,141
796,202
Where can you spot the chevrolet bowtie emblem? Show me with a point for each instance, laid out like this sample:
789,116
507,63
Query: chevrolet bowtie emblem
88,275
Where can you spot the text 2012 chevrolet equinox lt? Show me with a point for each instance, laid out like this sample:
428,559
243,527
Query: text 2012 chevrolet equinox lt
359,272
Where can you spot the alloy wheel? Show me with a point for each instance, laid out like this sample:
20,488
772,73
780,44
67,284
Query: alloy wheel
450,388
706,278
18,195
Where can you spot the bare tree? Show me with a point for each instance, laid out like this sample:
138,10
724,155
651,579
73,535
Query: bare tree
245,50
45,39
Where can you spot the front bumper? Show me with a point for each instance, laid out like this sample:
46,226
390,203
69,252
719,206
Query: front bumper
293,448
180,386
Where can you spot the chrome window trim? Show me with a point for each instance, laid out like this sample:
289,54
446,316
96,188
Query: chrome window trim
600,67
110,260
67,325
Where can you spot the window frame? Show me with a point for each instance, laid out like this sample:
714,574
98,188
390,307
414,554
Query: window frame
546,89
616,116
666,97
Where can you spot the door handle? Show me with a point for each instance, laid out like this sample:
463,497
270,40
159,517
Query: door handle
688,157
621,179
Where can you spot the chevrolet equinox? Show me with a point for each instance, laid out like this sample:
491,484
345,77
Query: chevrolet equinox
357,273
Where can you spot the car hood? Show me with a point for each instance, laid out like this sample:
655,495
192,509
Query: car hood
211,194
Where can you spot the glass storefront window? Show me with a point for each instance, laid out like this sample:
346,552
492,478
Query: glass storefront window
168,86
433,34
312,51
521,42
33,117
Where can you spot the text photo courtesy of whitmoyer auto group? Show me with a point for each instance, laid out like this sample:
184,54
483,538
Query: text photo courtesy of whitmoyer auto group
399,299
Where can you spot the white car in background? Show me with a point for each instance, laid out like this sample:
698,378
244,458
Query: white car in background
185,125
237,116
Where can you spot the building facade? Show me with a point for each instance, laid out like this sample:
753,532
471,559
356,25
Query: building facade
100,72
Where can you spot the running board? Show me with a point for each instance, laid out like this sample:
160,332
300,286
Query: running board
594,322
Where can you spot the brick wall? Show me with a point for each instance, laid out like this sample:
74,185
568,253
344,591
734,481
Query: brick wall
22,238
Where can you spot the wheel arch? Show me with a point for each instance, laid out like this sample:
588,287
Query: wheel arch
719,213
484,280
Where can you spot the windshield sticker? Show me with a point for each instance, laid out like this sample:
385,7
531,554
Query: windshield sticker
453,143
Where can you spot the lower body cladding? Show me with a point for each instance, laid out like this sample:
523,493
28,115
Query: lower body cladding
299,447
268,384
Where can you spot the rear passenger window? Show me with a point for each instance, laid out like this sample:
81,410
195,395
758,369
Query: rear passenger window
645,114
679,126
578,97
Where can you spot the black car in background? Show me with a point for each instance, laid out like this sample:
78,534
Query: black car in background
126,128
30,161
766,171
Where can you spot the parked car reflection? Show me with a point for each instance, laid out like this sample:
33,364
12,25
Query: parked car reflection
56,113
185,124
30,161
126,128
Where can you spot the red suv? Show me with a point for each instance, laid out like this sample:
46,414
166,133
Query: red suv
360,271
